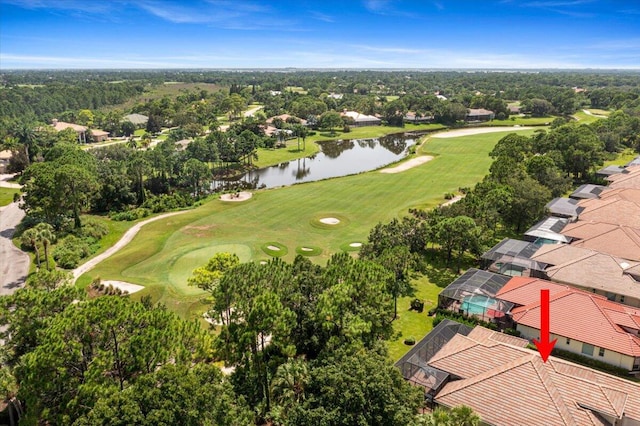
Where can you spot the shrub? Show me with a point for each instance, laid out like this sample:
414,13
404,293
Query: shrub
471,321
70,251
93,229
410,341
166,202
129,215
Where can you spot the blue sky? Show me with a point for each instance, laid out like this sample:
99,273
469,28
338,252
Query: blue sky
320,34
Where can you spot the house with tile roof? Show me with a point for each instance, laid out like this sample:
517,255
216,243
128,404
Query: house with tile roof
507,384
359,120
619,241
479,114
628,178
80,130
138,120
583,323
615,278
615,210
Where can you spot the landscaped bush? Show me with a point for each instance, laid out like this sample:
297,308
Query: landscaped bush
471,321
129,215
93,229
590,362
167,202
410,341
70,251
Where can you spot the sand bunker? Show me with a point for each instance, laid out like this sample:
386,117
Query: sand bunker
122,285
355,245
330,220
274,248
263,262
236,196
477,131
306,249
408,164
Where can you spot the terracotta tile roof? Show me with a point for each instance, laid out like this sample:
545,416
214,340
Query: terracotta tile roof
582,316
61,125
622,180
553,393
523,291
590,269
621,241
617,206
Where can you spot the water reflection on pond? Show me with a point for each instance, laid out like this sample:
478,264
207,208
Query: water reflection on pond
337,158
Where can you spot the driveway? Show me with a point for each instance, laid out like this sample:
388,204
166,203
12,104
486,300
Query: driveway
14,263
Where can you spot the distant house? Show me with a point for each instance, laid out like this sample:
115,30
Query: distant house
80,130
285,117
583,323
138,120
360,120
99,135
616,278
507,384
336,96
96,134
412,117
480,114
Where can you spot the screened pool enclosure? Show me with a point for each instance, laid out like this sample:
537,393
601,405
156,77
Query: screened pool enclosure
473,294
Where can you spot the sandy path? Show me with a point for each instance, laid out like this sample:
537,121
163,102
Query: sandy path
249,113
126,238
14,263
4,184
414,162
477,131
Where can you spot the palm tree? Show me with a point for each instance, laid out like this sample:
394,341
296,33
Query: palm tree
30,238
289,383
131,142
45,235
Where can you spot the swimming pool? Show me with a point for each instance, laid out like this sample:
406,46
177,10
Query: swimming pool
476,304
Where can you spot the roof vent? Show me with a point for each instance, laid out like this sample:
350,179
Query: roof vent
624,265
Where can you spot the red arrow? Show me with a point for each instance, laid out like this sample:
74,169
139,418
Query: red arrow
544,345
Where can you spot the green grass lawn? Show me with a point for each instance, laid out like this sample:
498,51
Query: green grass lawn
161,255
412,323
6,195
622,158
585,118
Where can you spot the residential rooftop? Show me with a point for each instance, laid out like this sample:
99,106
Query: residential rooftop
507,384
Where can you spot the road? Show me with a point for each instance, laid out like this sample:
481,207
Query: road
14,263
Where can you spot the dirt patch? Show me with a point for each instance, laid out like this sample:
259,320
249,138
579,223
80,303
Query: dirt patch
408,164
199,231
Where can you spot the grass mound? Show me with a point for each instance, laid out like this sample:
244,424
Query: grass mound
274,249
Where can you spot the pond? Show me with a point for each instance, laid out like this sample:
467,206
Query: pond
335,159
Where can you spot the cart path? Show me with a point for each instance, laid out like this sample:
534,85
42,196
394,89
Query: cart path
14,263
126,238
